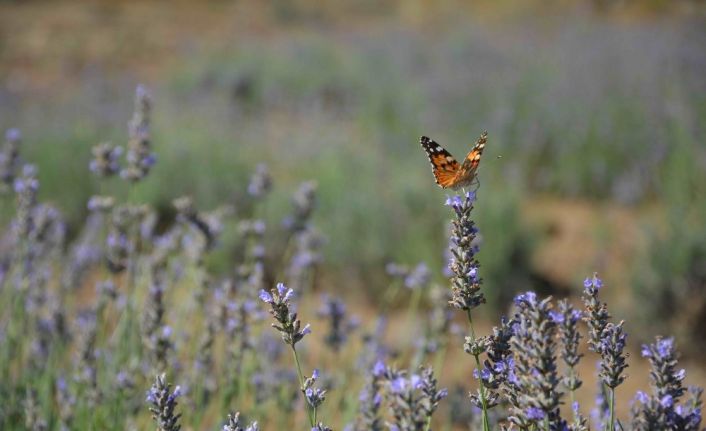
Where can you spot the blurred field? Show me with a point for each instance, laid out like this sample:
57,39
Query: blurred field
582,102
597,146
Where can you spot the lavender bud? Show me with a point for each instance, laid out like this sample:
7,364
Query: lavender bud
163,403
465,284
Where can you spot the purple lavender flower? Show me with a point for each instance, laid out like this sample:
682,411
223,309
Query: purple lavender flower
613,362
140,158
533,389
66,403
662,409
412,399
340,327
156,333
87,355
529,298
314,396
498,367
10,159
307,243
597,315
534,414
418,277
570,339
286,322
200,230
26,188
233,424
32,412
260,182
303,205
266,297
370,399
453,201
432,395
105,162
465,283
163,403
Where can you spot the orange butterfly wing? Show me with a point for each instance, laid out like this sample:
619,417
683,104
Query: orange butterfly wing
443,164
472,160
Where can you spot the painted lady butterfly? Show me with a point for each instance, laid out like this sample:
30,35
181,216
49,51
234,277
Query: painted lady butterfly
447,171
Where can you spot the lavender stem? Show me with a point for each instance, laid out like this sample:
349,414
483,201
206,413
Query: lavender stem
312,419
486,426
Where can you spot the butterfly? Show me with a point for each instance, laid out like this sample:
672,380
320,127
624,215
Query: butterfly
448,172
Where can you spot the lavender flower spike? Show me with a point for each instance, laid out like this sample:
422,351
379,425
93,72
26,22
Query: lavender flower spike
532,389
663,409
163,403
140,157
234,424
314,396
465,283
287,324
596,312
612,357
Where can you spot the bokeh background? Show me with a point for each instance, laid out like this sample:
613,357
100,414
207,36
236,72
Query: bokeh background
595,111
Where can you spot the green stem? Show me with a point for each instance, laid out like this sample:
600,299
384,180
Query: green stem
428,427
572,393
612,409
414,305
441,356
390,295
301,385
486,424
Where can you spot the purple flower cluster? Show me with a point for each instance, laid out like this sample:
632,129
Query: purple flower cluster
287,323
608,340
465,282
233,424
106,160
10,159
340,326
412,399
163,403
567,318
662,409
533,379
498,367
303,205
140,157
597,315
370,399
260,182
417,277
314,396
157,334
613,359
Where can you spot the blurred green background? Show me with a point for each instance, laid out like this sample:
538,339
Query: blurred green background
595,112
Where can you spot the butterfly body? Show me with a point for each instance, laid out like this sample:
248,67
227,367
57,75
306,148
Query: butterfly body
448,172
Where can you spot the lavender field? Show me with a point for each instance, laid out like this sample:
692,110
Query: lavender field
218,216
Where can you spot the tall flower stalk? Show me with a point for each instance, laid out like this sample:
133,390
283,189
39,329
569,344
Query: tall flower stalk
567,318
662,409
534,367
163,402
465,282
607,339
292,332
